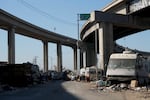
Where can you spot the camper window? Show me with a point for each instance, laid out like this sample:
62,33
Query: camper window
122,63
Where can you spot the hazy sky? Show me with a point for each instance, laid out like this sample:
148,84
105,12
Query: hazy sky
59,16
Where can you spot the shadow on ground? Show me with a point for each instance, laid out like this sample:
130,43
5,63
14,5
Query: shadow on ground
52,90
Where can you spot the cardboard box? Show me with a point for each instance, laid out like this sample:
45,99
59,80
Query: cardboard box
134,83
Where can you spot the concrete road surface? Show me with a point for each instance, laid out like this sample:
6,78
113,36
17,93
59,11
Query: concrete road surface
67,90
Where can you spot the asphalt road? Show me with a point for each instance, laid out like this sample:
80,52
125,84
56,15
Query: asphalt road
68,90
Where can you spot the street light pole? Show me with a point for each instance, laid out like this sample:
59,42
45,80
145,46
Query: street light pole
78,25
78,51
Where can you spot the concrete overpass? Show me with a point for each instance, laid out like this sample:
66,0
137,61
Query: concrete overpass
14,25
118,19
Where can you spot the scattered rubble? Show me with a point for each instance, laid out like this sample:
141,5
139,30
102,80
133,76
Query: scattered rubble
27,74
6,87
104,85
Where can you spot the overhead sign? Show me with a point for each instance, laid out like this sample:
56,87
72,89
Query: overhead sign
136,5
84,16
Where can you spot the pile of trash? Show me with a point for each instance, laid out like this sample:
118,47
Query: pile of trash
69,75
23,75
19,75
6,88
105,85
66,75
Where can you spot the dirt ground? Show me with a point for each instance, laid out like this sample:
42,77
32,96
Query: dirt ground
71,90
88,91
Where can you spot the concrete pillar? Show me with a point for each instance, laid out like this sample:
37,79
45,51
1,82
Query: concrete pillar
84,59
91,59
75,58
81,59
59,57
105,43
11,45
45,50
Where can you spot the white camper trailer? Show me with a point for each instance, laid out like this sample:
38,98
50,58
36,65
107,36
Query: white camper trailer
91,73
127,66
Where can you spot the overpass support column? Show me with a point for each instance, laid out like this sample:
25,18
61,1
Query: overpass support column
105,43
11,45
75,58
59,57
45,50
81,59
91,58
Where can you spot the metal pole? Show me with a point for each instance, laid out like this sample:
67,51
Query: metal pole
78,57
78,25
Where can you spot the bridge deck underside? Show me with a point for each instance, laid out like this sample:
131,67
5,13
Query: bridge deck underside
120,32
142,12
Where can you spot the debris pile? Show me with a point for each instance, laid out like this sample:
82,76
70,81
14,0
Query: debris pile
13,76
19,75
104,85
